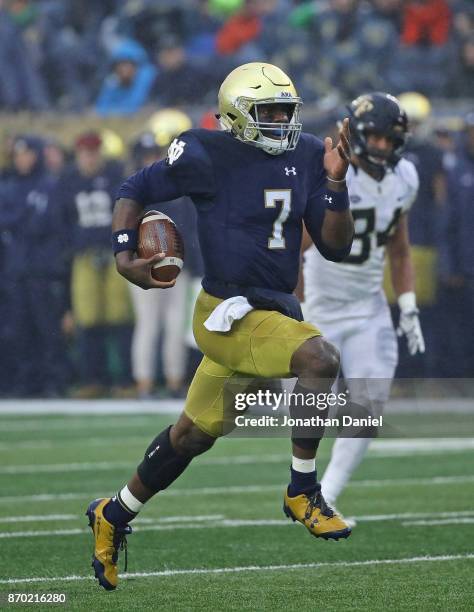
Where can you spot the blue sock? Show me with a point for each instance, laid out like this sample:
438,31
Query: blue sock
116,514
302,482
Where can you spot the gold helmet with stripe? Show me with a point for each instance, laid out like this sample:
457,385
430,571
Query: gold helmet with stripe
250,87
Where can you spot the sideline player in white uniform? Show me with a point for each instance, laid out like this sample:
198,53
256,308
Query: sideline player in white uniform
347,299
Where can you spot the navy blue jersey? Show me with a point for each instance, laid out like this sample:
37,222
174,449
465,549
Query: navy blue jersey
423,216
30,227
86,204
250,204
456,249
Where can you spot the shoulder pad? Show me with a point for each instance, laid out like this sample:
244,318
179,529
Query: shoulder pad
311,141
406,170
189,164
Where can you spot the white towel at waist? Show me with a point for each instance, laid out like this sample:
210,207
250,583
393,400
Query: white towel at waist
228,311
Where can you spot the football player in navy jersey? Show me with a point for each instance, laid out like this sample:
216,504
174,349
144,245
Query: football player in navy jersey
253,184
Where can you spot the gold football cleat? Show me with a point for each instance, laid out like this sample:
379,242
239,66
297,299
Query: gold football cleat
109,539
318,518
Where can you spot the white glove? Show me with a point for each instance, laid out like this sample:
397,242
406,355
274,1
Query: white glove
409,323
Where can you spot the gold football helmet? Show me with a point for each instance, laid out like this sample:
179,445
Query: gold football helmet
112,144
242,93
168,123
416,106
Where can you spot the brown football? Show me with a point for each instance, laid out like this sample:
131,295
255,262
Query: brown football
157,233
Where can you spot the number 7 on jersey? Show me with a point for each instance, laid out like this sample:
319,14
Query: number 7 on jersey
274,197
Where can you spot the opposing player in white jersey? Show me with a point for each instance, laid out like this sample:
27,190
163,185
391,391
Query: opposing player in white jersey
347,299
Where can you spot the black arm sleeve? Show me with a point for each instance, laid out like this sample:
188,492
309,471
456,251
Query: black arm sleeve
313,220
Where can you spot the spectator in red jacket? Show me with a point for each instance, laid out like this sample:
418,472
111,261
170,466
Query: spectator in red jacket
243,27
426,22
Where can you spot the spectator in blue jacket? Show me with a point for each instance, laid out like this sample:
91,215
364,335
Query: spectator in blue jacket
35,273
126,89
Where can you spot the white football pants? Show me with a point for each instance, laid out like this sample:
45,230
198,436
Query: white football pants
155,310
369,350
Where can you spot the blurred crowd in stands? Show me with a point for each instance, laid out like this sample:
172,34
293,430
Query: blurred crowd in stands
118,55
69,324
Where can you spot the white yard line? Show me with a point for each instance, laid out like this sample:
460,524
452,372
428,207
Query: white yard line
65,443
30,444
34,518
50,533
434,480
224,524
452,521
90,407
409,515
53,468
249,568
99,466
379,448
421,445
63,424
242,490
218,521
459,405
46,497
175,519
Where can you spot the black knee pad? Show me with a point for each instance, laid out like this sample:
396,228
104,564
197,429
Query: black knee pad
161,464
307,437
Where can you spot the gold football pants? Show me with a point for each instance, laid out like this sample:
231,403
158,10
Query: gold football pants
99,294
259,345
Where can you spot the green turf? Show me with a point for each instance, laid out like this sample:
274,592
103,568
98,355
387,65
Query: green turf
112,445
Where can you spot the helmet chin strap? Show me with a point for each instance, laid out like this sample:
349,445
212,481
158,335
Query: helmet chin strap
377,161
377,168
377,171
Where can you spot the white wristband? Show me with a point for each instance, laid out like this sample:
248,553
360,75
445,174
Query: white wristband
407,301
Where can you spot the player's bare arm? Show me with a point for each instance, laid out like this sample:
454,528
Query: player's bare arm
403,281
338,226
399,256
306,242
138,271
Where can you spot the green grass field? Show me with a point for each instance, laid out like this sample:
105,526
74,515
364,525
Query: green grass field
218,540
